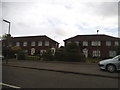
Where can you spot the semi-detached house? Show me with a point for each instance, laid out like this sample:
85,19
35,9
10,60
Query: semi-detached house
32,44
96,45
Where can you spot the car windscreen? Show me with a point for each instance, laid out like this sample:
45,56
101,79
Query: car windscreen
116,57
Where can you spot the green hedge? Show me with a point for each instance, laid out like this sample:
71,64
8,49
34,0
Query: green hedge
93,60
21,55
32,57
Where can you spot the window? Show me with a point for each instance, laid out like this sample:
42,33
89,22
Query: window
39,43
85,43
33,43
112,53
68,42
53,51
24,43
108,43
96,43
10,44
96,53
77,43
116,43
17,43
42,51
56,44
46,43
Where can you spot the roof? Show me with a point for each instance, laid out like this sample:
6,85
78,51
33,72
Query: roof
31,38
92,37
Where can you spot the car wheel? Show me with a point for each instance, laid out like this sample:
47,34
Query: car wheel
111,68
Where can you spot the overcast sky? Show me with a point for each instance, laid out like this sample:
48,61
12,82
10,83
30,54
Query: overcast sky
60,19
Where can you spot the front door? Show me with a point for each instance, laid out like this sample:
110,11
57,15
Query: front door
85,51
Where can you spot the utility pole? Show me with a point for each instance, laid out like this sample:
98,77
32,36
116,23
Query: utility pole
8,37
97,43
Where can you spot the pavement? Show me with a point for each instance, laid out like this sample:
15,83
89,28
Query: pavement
91,69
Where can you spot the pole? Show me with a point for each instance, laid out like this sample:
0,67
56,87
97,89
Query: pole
97,42
7,39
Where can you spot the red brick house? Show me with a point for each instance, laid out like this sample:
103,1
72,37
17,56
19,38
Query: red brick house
100,45
32,44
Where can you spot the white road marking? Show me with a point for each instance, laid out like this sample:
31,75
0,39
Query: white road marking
12,86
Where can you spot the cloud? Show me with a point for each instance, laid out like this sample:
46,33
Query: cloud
60,19
106,9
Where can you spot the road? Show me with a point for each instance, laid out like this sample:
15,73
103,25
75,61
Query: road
31,78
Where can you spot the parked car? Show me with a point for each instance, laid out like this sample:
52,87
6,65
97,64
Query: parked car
110,65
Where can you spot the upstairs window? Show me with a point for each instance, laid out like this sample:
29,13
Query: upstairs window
39,43
116,43
33,43
96,43
108,43
24,43
77,43
85,43
47,43
17,43
68,42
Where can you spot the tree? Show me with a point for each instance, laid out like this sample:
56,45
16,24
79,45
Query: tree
59,54
70,53
16,49
6,36
47,55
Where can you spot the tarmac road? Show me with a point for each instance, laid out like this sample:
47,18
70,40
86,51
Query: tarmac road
31,78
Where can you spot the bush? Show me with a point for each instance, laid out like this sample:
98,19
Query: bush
21,55
47,56
74,57
69,53
32,57
93,60
59,55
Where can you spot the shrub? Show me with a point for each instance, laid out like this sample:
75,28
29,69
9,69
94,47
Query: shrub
21,55
93,60
47,55
59,55
32,57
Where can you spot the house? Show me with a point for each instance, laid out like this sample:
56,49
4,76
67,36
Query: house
96,45
32,44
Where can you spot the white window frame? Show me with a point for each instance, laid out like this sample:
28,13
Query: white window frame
47,43
77,43
40,43
96,53
24,43
96,43
17,43
68,42
42,51
112,53
116,43
108,43
85,43
33,43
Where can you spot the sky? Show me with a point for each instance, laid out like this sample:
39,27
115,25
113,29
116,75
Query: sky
60,19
